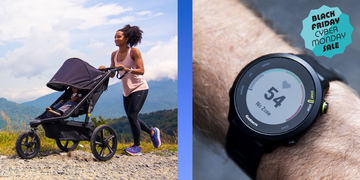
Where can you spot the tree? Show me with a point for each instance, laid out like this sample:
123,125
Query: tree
100,122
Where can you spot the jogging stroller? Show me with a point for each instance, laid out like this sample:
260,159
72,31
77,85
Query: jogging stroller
74,73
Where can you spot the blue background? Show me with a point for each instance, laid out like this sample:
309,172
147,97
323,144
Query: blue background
185,89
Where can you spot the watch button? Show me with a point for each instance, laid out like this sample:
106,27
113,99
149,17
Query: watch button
290,143
325,107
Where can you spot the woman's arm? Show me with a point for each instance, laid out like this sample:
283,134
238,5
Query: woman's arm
139,64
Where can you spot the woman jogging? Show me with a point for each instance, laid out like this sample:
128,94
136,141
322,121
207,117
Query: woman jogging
135,88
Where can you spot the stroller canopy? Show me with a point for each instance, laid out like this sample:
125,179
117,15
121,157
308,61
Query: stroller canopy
75,73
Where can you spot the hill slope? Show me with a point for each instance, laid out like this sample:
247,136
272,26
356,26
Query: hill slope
166,120
15,113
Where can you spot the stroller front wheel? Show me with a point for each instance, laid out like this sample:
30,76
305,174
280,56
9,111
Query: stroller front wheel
28,144
103,142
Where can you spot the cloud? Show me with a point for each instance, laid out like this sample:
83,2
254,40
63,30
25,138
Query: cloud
148,13
139,16
45,30
161,61
96,44
21,95
40,52
144,13
19,16
37,36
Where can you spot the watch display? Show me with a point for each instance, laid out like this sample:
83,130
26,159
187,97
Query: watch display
274,96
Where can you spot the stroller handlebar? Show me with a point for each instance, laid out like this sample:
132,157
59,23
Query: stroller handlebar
112,69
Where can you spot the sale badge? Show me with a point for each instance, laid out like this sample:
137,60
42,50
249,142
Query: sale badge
327,31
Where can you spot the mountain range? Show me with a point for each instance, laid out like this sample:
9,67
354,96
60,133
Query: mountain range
162,95
12,113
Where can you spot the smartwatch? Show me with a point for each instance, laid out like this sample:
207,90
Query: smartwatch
274,100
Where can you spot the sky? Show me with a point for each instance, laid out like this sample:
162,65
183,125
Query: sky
37,36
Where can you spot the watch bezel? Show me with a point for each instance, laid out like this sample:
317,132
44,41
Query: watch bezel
293,132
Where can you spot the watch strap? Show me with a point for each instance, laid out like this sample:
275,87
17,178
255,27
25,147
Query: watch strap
245,151
322,69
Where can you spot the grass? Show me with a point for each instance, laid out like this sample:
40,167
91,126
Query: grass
10,133
8,138
7,145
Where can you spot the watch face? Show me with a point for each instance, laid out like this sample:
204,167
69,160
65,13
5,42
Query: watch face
274,95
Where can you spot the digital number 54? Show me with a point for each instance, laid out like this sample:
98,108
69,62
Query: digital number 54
269,95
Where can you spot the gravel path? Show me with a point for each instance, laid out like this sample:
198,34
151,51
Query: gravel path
82,165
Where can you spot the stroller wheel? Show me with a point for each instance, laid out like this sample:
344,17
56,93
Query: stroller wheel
27,144
67,145
103,142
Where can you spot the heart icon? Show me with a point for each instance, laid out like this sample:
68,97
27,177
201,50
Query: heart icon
286,85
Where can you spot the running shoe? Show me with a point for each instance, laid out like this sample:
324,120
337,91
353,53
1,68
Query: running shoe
156,137
133,150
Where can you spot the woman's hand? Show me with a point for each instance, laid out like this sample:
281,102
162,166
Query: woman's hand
102,67
123,67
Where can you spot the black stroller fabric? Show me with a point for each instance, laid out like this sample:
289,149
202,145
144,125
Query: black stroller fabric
75,73
64,132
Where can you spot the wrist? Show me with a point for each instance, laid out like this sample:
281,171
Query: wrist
130,70
219,43
320,152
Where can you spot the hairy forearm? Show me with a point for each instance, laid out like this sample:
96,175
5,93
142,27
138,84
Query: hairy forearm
227,36
330,150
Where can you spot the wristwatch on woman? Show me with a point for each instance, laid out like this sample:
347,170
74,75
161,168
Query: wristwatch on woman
274,100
